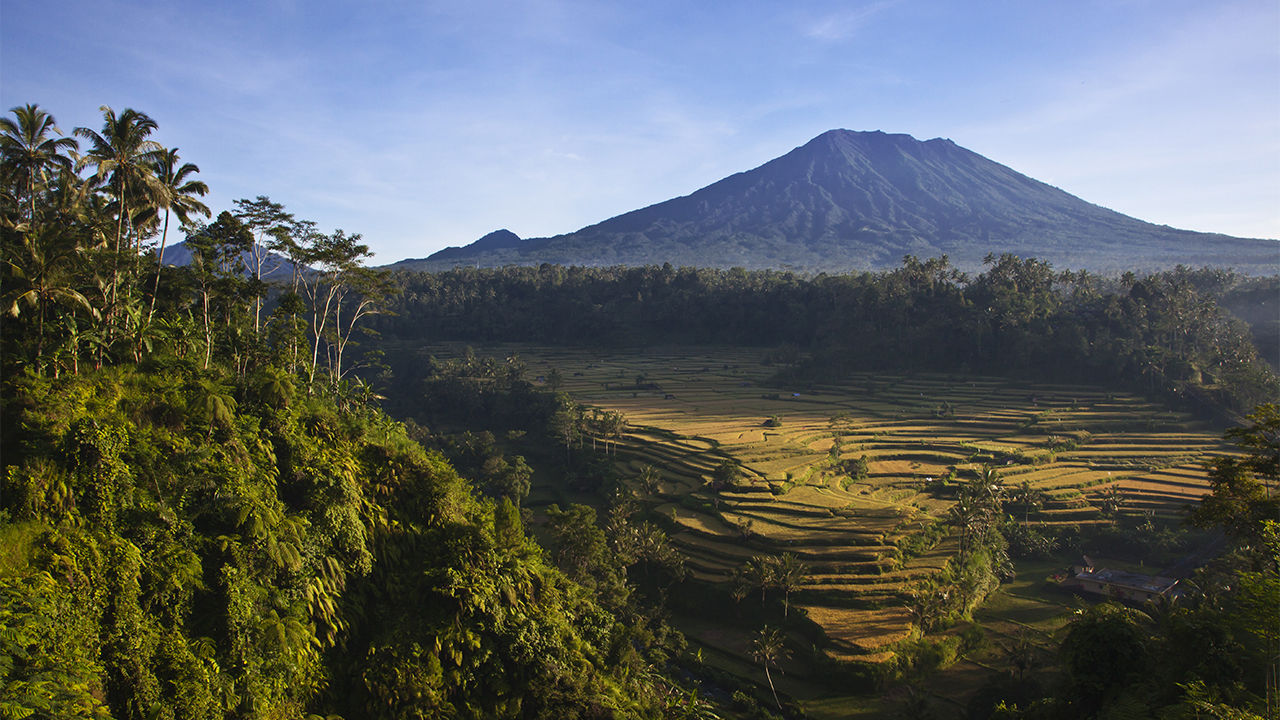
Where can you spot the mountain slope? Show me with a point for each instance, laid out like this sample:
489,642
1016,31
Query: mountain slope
275,267
862,200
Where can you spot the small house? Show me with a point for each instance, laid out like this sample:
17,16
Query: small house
1121,585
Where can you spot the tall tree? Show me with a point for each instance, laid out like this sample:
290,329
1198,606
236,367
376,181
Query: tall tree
788,575
761,571
362,294
339,273
565,422
769,648
1242,497
1104,648
179,198
1029,498
1110,502
215,250
295,242
269,223
1261,440
29,153
125,159
39,272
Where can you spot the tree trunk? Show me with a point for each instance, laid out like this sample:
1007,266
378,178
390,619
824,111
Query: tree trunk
155,287
771,688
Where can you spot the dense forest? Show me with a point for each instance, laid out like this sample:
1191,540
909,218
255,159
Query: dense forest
204,513
1165,333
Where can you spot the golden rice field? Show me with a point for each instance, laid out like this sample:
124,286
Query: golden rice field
689,409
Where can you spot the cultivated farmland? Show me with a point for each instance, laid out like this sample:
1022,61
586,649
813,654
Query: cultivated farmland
690,410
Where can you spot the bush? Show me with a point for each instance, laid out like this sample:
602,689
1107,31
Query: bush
924,655
1028,542
918,543
973,638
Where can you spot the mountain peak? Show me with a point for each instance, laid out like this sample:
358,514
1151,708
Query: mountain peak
861,200
858,137
497,239
872,138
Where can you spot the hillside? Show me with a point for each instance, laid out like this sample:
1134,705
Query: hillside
274,267
861,200
207,545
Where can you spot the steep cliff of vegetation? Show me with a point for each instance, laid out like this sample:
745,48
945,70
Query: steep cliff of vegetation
201,513
191,544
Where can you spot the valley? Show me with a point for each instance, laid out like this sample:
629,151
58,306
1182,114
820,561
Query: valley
260,478
873,539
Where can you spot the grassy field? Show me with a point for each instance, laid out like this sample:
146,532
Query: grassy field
690,409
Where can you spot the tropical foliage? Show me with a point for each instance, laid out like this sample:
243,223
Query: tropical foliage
202,514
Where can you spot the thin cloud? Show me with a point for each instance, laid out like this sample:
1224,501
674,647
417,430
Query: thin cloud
1158,130
847,23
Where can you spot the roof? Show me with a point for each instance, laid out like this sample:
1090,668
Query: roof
1133,581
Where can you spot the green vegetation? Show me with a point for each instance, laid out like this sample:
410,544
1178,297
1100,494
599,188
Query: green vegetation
1214,653
1161,334
204,513
268,554
204,516
877,553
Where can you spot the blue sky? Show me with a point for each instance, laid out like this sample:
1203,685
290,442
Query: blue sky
428,124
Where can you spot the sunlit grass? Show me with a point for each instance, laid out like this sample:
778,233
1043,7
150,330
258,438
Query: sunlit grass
690,409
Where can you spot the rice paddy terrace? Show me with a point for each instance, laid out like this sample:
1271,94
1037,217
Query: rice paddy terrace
689,410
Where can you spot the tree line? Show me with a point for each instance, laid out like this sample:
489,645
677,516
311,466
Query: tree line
1163,333
85,231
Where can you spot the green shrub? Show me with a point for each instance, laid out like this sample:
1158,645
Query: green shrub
917,543
925,655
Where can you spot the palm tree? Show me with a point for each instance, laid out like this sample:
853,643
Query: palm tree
916,705
650,479
769,647
1023,655
760,569
788,575
179,199
927,606
38,270
977,508
740,586
967,515
1029,498
125,160
28,152
1111,501
615,425
990,486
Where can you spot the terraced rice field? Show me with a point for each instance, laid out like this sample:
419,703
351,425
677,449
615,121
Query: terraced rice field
688,410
